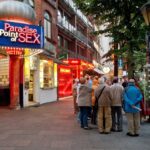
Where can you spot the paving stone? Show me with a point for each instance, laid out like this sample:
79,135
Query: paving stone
53,126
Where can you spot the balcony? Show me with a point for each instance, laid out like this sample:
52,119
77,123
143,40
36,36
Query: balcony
72,5
74,32
76,56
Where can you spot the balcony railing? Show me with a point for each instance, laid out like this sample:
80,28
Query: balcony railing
77,56
77,34
72,5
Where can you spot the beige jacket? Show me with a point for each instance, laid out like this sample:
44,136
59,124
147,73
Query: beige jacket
105,98
84,95
116,94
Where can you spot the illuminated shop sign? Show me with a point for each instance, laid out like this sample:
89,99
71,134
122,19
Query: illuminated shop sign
21,35
63,70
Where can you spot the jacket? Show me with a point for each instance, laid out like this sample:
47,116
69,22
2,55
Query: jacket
84,95
105,98
132,96
116,94
94,86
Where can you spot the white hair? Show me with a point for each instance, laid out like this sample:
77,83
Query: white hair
101,80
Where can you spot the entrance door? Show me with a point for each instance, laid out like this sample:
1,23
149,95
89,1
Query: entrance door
31,86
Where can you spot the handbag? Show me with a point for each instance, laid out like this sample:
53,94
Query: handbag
97,98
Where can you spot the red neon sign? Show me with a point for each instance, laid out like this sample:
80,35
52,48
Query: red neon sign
13,51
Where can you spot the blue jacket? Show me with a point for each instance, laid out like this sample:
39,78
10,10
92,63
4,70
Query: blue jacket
132,96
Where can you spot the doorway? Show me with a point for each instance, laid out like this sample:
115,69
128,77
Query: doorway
31,86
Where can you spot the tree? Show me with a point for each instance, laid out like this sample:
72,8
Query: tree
123,22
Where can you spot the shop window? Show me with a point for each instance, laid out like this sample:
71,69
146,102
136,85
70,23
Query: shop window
46,74
47,25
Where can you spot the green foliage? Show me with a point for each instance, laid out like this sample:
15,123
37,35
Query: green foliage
124,23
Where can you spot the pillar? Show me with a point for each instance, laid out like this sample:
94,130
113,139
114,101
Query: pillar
14,77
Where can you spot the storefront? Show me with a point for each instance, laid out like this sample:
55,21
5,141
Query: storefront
18,45
65,79
74,68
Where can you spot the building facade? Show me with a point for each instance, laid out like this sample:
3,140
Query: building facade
68,51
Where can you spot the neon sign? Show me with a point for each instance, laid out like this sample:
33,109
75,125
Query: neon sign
21,35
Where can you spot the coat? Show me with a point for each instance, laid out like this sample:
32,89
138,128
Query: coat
84,95
105,98
116,94
132,96
94,86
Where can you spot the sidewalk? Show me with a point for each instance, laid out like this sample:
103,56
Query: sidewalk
53,126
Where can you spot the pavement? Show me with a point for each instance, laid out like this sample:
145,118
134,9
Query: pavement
53,126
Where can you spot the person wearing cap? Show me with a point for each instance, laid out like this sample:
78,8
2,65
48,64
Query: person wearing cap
132,97
116,95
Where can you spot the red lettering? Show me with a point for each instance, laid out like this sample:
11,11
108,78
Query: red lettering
29,38
7,26
22,37
36,38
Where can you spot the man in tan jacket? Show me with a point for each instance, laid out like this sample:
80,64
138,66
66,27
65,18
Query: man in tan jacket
104,110
116,95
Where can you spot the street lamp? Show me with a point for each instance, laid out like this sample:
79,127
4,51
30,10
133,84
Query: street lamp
145,9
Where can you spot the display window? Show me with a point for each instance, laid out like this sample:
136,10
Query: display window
46,74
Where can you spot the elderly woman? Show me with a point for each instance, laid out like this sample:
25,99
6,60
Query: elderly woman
84,102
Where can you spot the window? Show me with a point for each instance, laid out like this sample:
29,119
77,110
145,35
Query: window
47,25
60,41
66,44
46,74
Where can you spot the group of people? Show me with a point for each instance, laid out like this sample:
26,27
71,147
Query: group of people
102,101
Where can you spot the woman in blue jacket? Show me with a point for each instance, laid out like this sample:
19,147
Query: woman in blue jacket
132,97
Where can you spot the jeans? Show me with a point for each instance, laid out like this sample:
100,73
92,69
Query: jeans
84,116
94,115
116,117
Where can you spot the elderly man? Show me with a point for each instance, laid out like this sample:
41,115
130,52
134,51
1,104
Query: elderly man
102,92
116,95
132,97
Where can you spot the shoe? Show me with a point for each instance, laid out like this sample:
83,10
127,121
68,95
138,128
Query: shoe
101,132
136,134
82,126
87,128
119,130
129,134
113,130
107,132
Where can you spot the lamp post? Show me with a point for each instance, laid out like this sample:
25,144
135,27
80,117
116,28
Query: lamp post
145,9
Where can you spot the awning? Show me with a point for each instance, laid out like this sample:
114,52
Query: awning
47,56
98,71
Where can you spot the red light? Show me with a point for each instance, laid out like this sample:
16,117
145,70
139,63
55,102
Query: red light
14,51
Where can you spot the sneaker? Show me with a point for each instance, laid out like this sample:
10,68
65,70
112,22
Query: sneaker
87,128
